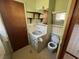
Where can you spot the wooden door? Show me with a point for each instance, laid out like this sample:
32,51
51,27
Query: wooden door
70,47
15,23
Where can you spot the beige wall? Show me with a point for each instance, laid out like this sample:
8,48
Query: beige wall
61,5
30,5
33,5
41,3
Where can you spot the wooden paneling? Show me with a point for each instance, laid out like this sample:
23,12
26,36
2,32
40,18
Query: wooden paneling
67,56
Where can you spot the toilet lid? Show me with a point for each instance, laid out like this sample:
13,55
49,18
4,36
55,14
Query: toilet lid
55,38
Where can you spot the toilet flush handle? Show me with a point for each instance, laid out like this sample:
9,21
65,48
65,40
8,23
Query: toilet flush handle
40,40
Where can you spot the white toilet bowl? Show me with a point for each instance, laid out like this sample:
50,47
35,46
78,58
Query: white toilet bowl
53,44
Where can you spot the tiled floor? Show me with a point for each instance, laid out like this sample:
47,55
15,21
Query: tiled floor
67,56
29,53
73,45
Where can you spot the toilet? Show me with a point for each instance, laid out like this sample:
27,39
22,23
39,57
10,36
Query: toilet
53,44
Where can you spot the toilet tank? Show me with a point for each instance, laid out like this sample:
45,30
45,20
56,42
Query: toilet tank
55,38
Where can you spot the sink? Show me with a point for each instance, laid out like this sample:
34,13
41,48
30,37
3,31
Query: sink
37,32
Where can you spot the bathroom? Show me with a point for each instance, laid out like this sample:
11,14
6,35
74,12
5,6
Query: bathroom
35,24
35,12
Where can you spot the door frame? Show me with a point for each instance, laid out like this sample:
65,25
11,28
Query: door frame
65,38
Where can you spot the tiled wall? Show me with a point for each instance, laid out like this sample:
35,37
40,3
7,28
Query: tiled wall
57,29
67,56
